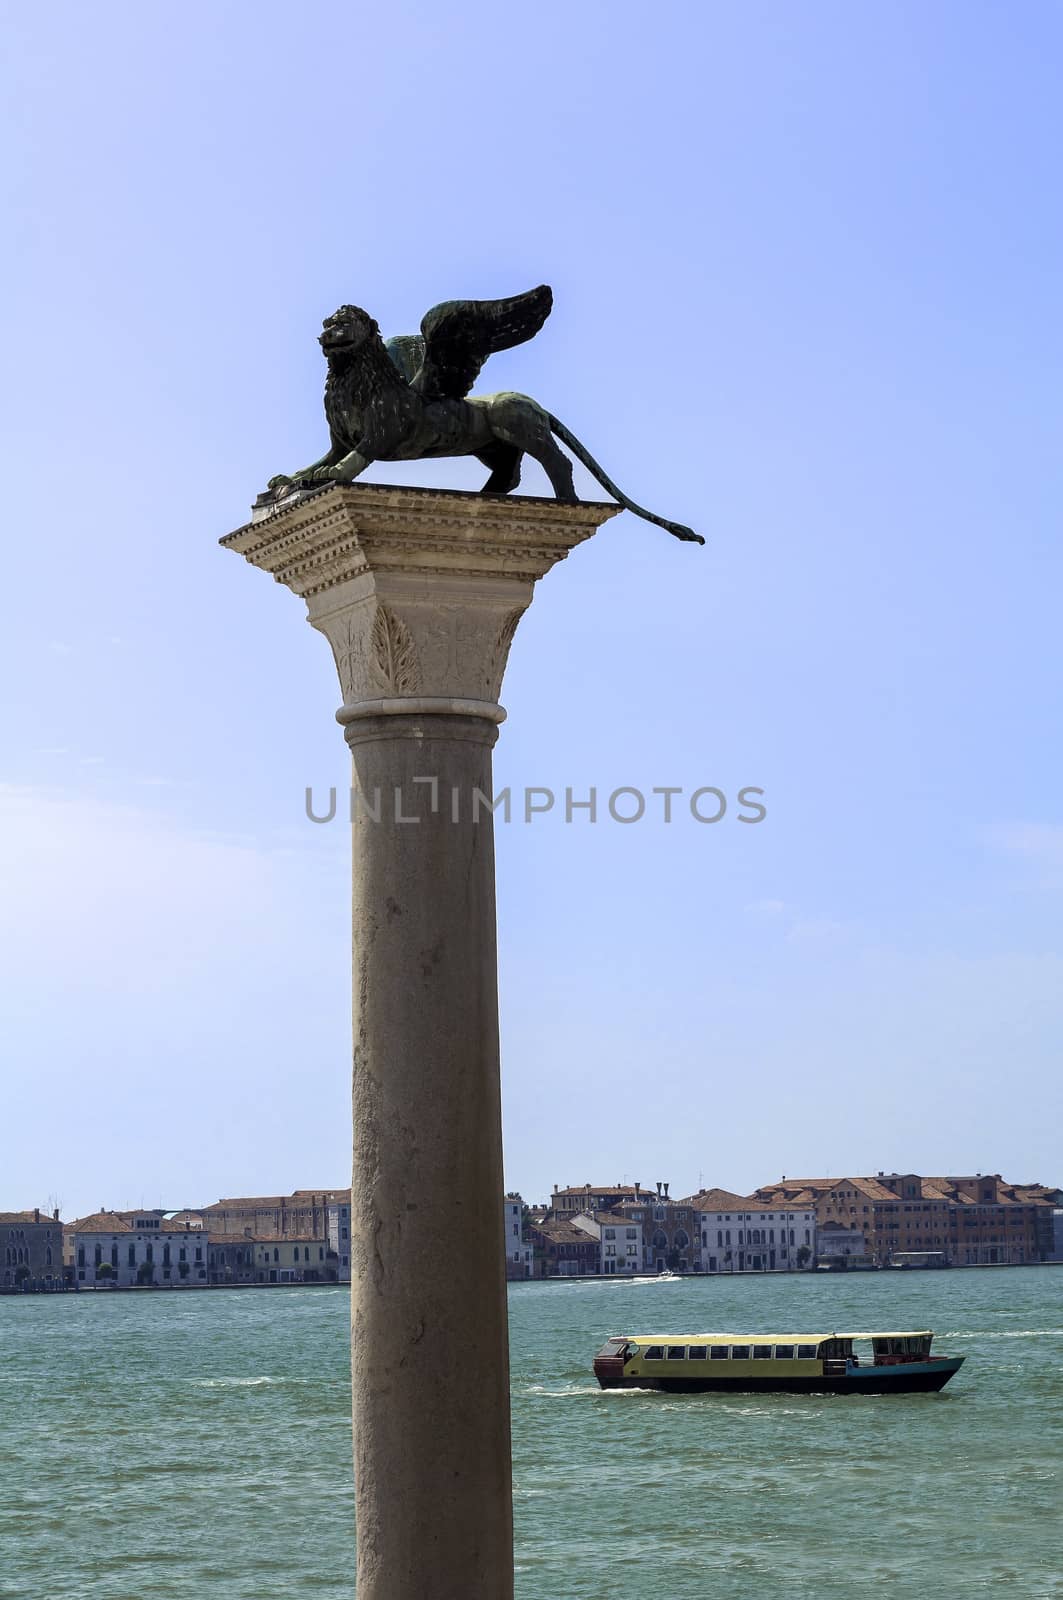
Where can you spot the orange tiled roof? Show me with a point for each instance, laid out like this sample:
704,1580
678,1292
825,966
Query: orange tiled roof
611,1188
99,1222
562,1231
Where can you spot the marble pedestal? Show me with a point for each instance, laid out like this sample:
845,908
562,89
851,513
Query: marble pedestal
419,593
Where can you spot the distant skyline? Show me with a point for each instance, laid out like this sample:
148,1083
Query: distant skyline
806,267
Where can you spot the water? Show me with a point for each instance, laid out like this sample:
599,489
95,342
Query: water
171,1445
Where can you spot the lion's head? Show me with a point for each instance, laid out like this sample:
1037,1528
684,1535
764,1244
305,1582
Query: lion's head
346,331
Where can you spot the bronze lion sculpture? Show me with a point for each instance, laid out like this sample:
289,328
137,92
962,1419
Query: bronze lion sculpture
409,399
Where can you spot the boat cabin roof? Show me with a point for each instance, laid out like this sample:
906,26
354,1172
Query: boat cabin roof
766,1338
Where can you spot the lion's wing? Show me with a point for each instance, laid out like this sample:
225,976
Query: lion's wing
407,354
459,335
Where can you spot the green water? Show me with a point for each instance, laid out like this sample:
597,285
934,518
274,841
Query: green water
198,1445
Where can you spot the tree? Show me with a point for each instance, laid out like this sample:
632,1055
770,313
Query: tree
104,1270
803,1255
21,1274
146,1272
183,1269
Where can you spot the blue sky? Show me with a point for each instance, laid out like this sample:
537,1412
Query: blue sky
806,264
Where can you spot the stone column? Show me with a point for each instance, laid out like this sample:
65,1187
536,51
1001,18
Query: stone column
419,593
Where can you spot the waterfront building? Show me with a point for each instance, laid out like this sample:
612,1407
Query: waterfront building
338,1232
619,1240
968,1221
588,1197
304,1212
669,1231
31,1251
740,1233
290,1258
563,1250
104,1248
839,1246
520,1256
1056,1253
230,1260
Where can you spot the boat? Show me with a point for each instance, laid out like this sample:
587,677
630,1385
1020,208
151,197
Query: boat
789,1363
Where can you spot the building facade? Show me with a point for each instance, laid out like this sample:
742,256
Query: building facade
287,1258
520,1256
304,1212
741,1233
561,1250
964,1221
31,1252
338,1232
589,1198
619,1241
104,1250
230,1260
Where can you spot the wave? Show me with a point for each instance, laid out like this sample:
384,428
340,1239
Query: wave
1011,1333
234,1383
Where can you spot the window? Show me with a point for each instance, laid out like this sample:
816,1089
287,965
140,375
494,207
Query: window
653,1352
718,1352
276,1253
806,1352
784,1352
630,1233
610,1233
762,1352
677,1352
739,1352
697,1352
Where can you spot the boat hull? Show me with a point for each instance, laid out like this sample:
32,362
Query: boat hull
909,1378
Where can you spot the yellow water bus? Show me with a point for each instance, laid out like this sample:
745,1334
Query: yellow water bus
793,1363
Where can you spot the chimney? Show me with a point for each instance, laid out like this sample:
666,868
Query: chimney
658,1191
36,1213
666,1191
636,1191
55,1214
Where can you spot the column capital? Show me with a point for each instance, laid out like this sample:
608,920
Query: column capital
418,591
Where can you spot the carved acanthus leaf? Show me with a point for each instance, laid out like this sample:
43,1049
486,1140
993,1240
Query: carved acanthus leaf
394,652
510,623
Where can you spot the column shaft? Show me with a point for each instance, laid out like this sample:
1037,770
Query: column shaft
428,1299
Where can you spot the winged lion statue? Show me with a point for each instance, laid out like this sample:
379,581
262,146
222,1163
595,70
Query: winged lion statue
409,398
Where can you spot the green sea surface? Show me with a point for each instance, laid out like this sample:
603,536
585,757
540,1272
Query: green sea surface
197,1444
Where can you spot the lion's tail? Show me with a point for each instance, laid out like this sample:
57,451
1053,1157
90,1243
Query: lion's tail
581,453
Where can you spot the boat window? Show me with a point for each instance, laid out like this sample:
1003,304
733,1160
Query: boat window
719,1352
653,1352
784,1352
806,1352
762,1352
677,1352
896,1347
739,1352
697,1352
613,1347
